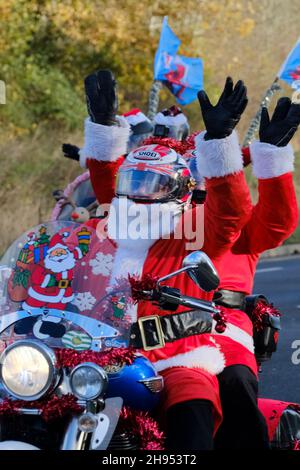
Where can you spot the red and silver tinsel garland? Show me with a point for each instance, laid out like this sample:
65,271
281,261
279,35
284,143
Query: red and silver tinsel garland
136,423
180,146
50,408
138,286
71,358
261,312
141,425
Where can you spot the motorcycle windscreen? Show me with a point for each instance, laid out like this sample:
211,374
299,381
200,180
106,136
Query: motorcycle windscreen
59,284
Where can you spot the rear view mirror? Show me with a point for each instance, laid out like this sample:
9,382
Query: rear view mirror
201,270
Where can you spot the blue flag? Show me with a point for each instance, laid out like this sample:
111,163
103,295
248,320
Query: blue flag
182,75
168,47
290,69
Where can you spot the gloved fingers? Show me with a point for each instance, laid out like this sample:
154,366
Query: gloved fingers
239,93
106,78
101,97
238,105
106,85
204,102
91,92
91,86
101,82
106,81
293,114
282,108
283,141
243,105
227,91
69,148
264,119
71,151
65,148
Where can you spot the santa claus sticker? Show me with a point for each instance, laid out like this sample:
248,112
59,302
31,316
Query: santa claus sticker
60,288
43,276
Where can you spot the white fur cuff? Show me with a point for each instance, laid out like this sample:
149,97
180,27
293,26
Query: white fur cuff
218,157
208,358
104,143
269,161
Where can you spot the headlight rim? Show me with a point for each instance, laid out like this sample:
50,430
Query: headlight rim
101,372
48,354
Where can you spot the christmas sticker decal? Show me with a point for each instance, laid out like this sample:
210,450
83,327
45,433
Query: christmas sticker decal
62,285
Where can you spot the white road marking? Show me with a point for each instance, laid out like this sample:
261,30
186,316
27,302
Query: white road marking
266,270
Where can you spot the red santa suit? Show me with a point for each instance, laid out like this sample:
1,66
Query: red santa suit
189,365
273,219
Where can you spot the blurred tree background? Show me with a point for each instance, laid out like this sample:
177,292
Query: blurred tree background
48,46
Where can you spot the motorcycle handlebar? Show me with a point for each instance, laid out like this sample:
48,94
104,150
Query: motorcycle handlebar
174,297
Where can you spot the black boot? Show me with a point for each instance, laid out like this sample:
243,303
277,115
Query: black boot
190,426
243,425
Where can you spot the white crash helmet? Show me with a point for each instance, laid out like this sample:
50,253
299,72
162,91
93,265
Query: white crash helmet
154,173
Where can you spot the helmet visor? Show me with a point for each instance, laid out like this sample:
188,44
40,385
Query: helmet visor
145,185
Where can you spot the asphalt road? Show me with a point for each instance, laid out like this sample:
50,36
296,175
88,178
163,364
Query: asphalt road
279,280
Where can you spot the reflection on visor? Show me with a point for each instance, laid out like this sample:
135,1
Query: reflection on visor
144,184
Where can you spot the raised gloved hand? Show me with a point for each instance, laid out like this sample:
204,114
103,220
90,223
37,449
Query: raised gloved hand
71,151
101,97
221,119
280,129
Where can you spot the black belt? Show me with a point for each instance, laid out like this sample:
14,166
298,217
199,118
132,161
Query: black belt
229,298
62,283
153,331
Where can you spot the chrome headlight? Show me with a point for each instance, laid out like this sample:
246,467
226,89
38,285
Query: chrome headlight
28,369
88,381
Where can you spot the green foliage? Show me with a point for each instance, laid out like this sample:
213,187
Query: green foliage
48,46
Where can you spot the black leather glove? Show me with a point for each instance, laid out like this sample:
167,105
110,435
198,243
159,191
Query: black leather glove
283,124
101,97
221,119
71,151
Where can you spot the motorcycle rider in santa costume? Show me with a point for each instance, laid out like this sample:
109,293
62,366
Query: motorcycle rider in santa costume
189,363
274,230
273,219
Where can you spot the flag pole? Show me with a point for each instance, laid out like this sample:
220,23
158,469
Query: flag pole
154,98
265,102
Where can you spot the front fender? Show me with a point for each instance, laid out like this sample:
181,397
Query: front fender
16,445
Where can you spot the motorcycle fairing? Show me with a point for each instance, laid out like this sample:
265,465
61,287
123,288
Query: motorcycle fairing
55,286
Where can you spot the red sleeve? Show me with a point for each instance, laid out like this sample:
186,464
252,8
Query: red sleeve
227,209
274,218
103,176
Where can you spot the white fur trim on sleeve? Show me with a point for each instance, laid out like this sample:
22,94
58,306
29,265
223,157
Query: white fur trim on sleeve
218,157
269,161
208,358
104,143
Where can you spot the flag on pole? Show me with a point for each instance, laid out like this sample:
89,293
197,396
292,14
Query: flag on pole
182,75
167,48
290,69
